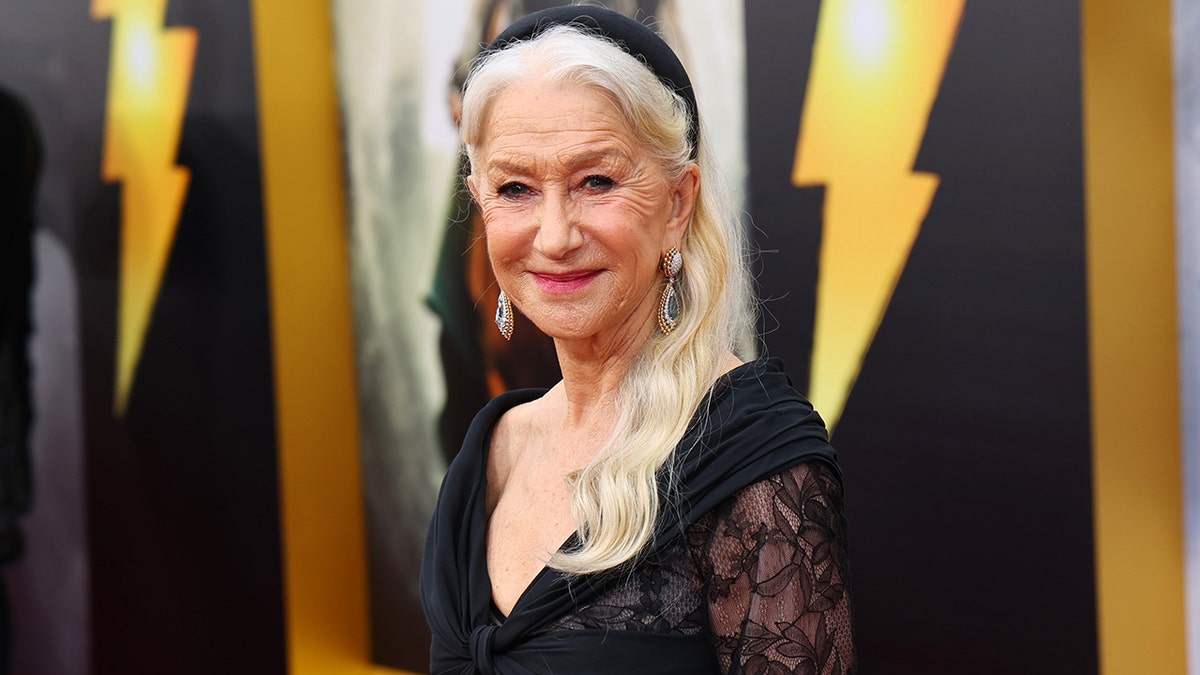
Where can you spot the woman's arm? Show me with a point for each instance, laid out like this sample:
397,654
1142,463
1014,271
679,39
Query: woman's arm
774,559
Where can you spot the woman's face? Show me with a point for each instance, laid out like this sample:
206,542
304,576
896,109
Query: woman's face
576,212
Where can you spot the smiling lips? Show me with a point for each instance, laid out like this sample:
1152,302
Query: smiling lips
565,282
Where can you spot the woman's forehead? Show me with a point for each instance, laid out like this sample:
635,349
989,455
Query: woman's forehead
573,121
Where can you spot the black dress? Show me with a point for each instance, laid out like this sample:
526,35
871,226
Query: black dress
747,572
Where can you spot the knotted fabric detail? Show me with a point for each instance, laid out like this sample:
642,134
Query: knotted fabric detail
481,648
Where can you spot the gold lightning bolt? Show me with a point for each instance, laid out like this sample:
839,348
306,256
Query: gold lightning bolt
877,68
150,71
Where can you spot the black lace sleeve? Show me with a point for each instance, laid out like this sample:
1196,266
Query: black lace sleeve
774,560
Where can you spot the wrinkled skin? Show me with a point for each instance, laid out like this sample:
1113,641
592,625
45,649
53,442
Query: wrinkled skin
577,216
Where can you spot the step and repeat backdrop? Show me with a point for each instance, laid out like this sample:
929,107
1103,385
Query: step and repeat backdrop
262,316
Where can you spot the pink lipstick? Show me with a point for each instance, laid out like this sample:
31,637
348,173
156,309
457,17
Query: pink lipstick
566,282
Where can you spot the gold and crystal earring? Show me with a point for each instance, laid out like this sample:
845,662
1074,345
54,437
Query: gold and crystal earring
668,304
504,315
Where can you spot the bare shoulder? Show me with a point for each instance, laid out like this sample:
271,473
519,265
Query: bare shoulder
520,422
510,437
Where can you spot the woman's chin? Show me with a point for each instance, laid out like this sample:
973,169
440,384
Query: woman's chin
613,334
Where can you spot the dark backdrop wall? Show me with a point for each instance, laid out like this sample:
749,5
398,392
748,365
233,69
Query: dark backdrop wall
965,439
178,553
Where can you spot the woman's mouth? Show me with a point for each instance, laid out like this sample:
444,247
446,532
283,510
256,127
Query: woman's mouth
564,282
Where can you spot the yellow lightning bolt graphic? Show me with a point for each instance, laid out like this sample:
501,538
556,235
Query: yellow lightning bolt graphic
877,67
150,72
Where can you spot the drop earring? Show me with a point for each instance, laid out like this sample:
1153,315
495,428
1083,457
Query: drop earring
668,304
504,315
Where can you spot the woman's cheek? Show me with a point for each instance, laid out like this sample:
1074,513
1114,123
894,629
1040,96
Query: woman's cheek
505,245
511,221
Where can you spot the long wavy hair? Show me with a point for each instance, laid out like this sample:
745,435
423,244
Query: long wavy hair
616,499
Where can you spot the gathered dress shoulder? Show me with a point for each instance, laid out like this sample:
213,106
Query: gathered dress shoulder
747,571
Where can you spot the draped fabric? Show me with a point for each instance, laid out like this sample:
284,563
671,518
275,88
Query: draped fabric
752,426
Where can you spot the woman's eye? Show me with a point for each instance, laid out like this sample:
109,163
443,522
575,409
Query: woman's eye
513,190
598,182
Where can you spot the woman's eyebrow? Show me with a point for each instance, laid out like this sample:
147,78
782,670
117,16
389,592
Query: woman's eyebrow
519,164
592,157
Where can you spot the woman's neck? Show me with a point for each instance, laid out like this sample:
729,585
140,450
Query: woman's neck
592,374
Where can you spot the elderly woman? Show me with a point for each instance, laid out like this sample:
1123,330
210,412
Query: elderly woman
666,507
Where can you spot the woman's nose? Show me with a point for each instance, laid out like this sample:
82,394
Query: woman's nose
558,232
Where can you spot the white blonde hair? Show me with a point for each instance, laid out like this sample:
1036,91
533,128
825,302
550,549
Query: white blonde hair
616,496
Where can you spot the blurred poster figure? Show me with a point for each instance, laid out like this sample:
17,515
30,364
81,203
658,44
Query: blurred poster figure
429,355
20,158
394,62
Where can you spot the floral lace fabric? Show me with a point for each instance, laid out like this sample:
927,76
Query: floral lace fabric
763,576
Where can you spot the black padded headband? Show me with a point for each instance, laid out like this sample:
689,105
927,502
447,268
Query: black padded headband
636,39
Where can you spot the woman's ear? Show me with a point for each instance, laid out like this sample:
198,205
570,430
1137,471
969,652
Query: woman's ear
473,188
683,202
